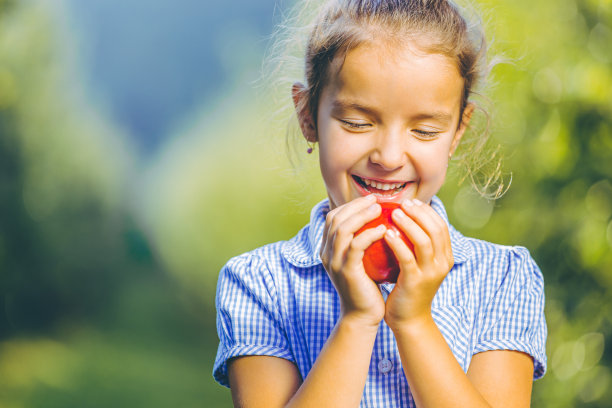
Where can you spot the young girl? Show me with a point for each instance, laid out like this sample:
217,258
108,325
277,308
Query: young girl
386,98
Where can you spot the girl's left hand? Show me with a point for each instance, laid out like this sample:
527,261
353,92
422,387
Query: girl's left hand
421,272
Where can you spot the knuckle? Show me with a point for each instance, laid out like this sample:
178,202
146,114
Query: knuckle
442,225
335,224
337,250
409,261
335,265
354,246
329,218
343,230
442,268
421,242
437,229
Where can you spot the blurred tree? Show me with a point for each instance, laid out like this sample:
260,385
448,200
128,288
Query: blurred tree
88,317
62,229
554,117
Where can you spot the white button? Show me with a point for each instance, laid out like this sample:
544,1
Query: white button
384,365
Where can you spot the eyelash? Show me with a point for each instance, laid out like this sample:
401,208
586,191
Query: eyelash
421,133
354,125
426,135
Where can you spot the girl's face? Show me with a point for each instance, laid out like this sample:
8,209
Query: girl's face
387,124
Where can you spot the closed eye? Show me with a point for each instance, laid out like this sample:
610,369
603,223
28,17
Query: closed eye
354,125
423,134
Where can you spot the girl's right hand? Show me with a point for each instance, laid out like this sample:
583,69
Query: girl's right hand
342,256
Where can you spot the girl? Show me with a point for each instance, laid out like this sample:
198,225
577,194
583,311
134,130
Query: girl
386,98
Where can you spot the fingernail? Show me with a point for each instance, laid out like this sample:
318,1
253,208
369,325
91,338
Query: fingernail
408,203
371,197
399,213
373,207
417,201
391,233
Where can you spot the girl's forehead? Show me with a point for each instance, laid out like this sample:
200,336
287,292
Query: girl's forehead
388,76
372,62
388,53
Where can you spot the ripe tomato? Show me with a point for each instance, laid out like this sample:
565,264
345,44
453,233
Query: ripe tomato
378,260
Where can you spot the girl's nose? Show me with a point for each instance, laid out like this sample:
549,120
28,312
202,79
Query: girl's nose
389,152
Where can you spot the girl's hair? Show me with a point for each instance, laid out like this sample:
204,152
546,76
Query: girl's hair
435,26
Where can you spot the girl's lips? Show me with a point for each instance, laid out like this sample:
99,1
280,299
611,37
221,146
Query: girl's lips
379,180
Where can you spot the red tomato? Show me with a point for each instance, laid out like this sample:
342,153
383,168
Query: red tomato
378,260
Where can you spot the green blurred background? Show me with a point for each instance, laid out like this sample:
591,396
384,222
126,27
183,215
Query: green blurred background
118,209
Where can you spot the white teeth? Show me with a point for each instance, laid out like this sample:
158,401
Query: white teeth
383,186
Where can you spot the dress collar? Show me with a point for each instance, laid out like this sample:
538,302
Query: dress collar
303,249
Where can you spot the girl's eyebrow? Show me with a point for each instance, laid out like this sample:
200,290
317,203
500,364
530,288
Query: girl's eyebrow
438,116
347,105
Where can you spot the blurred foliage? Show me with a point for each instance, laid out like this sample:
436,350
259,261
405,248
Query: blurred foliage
107,283
554,116
88,317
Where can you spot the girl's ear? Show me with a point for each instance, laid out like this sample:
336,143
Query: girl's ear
300,100
465,121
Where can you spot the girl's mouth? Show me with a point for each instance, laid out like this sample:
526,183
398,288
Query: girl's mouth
379,188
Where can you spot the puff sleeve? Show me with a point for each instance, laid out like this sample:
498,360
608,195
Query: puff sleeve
512,316
248,318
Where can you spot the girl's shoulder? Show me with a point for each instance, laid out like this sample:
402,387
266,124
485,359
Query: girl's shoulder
259,263
486,251
507,301
497,265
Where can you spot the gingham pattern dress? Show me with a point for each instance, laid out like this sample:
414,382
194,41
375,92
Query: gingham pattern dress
278,301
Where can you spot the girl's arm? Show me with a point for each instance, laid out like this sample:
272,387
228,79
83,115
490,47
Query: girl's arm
495,378
262,381
503,377
499,378
338,376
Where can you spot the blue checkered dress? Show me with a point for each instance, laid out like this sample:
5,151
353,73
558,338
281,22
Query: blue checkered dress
278,301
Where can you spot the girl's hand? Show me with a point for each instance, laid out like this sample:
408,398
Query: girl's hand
421,272
342,256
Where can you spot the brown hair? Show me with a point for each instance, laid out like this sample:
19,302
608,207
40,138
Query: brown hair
435,26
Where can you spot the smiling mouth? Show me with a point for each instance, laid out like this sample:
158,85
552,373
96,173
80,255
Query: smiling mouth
379,188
